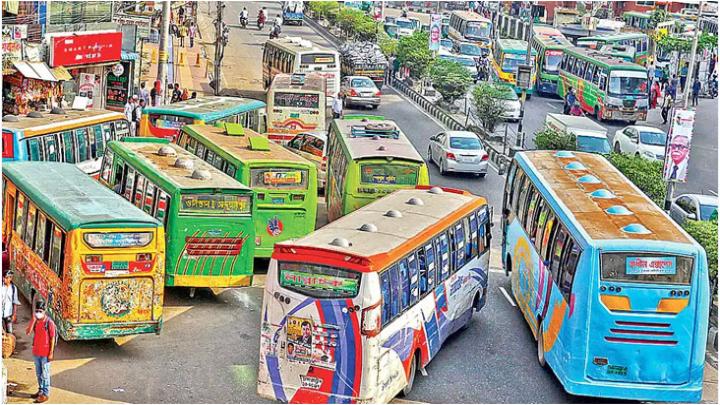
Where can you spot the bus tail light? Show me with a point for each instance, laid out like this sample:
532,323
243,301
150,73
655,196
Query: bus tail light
143,257
450,155
93,259
372,319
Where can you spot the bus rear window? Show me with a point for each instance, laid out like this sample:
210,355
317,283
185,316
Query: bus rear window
215,204
648,268
281,179
389,174
117,239
319,281
297,100
169,121
317,59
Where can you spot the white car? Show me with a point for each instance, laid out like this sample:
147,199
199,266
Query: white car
512,104
694,207
638,140
458,151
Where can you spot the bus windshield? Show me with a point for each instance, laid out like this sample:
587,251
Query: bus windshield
651,268
378,173
215,204
404,24
169,121
477,30
113,240
626,83
511,62
319,281
470,49
279,178
552,60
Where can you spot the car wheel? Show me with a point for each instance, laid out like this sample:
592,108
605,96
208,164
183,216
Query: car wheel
443,171
429,155
633,122
375,107
482,175
617,147
637,154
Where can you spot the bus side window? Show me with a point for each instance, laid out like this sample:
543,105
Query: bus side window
68,146
20,214
210,157
414,279
35,152
529,214
163,202
41,239
452,249
518,190
596,78
149,198
589,72
82,144
395,291
200,151
557,253
539,228
603,78
422,267
230,169
549,233
443,253
404,285
468,239
91,142
129,183
56,251
139,191
51,148
510,184
460,248
386,296
568,267
474,235
431,264
106,166
29,234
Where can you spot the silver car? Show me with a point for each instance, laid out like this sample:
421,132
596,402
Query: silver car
694,207
458,151
359,90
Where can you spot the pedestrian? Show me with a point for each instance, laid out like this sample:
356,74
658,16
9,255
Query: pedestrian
390,69
337,106
650,71
683,76
129,107
192,31
137,113
666,106
43,349
183,34
711,66
696,91
672,87
181,14
185,95
193,95
176,94
144,94
654,94
576,110
569,100
155,94
10,302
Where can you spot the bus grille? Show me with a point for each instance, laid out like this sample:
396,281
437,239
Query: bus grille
199,246
639,332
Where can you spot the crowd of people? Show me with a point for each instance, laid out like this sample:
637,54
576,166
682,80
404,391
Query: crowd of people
137,103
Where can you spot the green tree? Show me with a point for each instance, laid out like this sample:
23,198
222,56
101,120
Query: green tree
551,139
645,174
322,8
388,45
413,52
706,234
489,105
450,78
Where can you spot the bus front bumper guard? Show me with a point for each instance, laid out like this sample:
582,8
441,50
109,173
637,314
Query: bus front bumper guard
111,330
689,392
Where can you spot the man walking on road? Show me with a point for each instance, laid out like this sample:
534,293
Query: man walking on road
129,109
569,101
337,106
695,91
666,106
192,31
10,302
43,349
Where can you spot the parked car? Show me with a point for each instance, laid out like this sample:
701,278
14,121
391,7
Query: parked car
446,44
694,207
458,151
313,147
638,140
359,90
512,104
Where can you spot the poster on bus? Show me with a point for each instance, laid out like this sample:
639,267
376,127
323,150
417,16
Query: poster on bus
677,149
299,339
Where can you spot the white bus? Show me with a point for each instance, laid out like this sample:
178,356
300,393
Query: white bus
352,311
296,55
469,26
295,103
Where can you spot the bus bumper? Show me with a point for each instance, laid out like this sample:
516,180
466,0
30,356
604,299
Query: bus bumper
640,392
268,390
110,330
620,115
207,281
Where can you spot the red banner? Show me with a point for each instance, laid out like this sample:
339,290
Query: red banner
85,48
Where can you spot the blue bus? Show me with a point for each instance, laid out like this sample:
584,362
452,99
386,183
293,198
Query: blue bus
615,292
293,12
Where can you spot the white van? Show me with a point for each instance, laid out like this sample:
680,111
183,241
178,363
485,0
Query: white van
589,135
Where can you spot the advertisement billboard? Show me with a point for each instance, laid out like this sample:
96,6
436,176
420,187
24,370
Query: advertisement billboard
435,32
85,48
677,149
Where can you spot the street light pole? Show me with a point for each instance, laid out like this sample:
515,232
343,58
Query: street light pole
163,53
218,46
520,141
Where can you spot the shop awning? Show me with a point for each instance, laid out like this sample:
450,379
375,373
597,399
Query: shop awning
35,70
61,73
129,55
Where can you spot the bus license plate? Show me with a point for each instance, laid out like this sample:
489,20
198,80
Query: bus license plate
120,265
279,200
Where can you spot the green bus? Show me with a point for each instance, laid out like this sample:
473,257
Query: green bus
285,184
508,54
607,87
207,214
368,157
549,43
637,42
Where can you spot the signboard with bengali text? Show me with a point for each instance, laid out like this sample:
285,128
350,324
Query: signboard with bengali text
640,266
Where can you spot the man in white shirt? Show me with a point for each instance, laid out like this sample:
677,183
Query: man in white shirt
337,106
144,93
10,302
129,108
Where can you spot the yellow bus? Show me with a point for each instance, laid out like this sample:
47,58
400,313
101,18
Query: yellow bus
295,103
96,260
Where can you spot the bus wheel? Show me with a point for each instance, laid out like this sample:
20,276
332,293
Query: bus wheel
598,114
411,378
540,345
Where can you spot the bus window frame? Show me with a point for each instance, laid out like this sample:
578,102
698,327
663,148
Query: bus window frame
47,140
35,143
20,210
41,235
68,136
440,240
57,265
30,222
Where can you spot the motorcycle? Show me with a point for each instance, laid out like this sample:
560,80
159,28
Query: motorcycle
261,21
275,32
243,22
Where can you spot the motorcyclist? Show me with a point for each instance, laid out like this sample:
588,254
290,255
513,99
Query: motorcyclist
243,17
261,17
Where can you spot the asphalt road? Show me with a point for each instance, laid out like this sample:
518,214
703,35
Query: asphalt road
208,349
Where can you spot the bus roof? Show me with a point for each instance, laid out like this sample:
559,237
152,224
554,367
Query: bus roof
550,37
238,147
615,37
611,62
57,122
85,202
517,46
365,147
297,44
619,210
145,151
393,236
311,82
470,16
208,108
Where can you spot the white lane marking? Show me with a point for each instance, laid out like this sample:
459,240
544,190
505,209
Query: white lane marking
507,296
440,124
713,192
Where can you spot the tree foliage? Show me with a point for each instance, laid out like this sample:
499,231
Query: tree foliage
645,174
489,105
706,234
657,16
551,139
357,24
413,52
323,8
388,45
450,78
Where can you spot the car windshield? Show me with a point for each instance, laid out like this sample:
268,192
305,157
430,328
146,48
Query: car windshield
511,62
653,138
405,24
363,82
593,144
446,43
465,143
470,49
477,30
708,212
552,61
628,84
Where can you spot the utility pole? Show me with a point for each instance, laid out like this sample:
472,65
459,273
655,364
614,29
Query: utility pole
219,51
163,53
520,141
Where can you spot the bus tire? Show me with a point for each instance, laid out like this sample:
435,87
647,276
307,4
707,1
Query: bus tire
508,266
411,379
598,114
540,345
